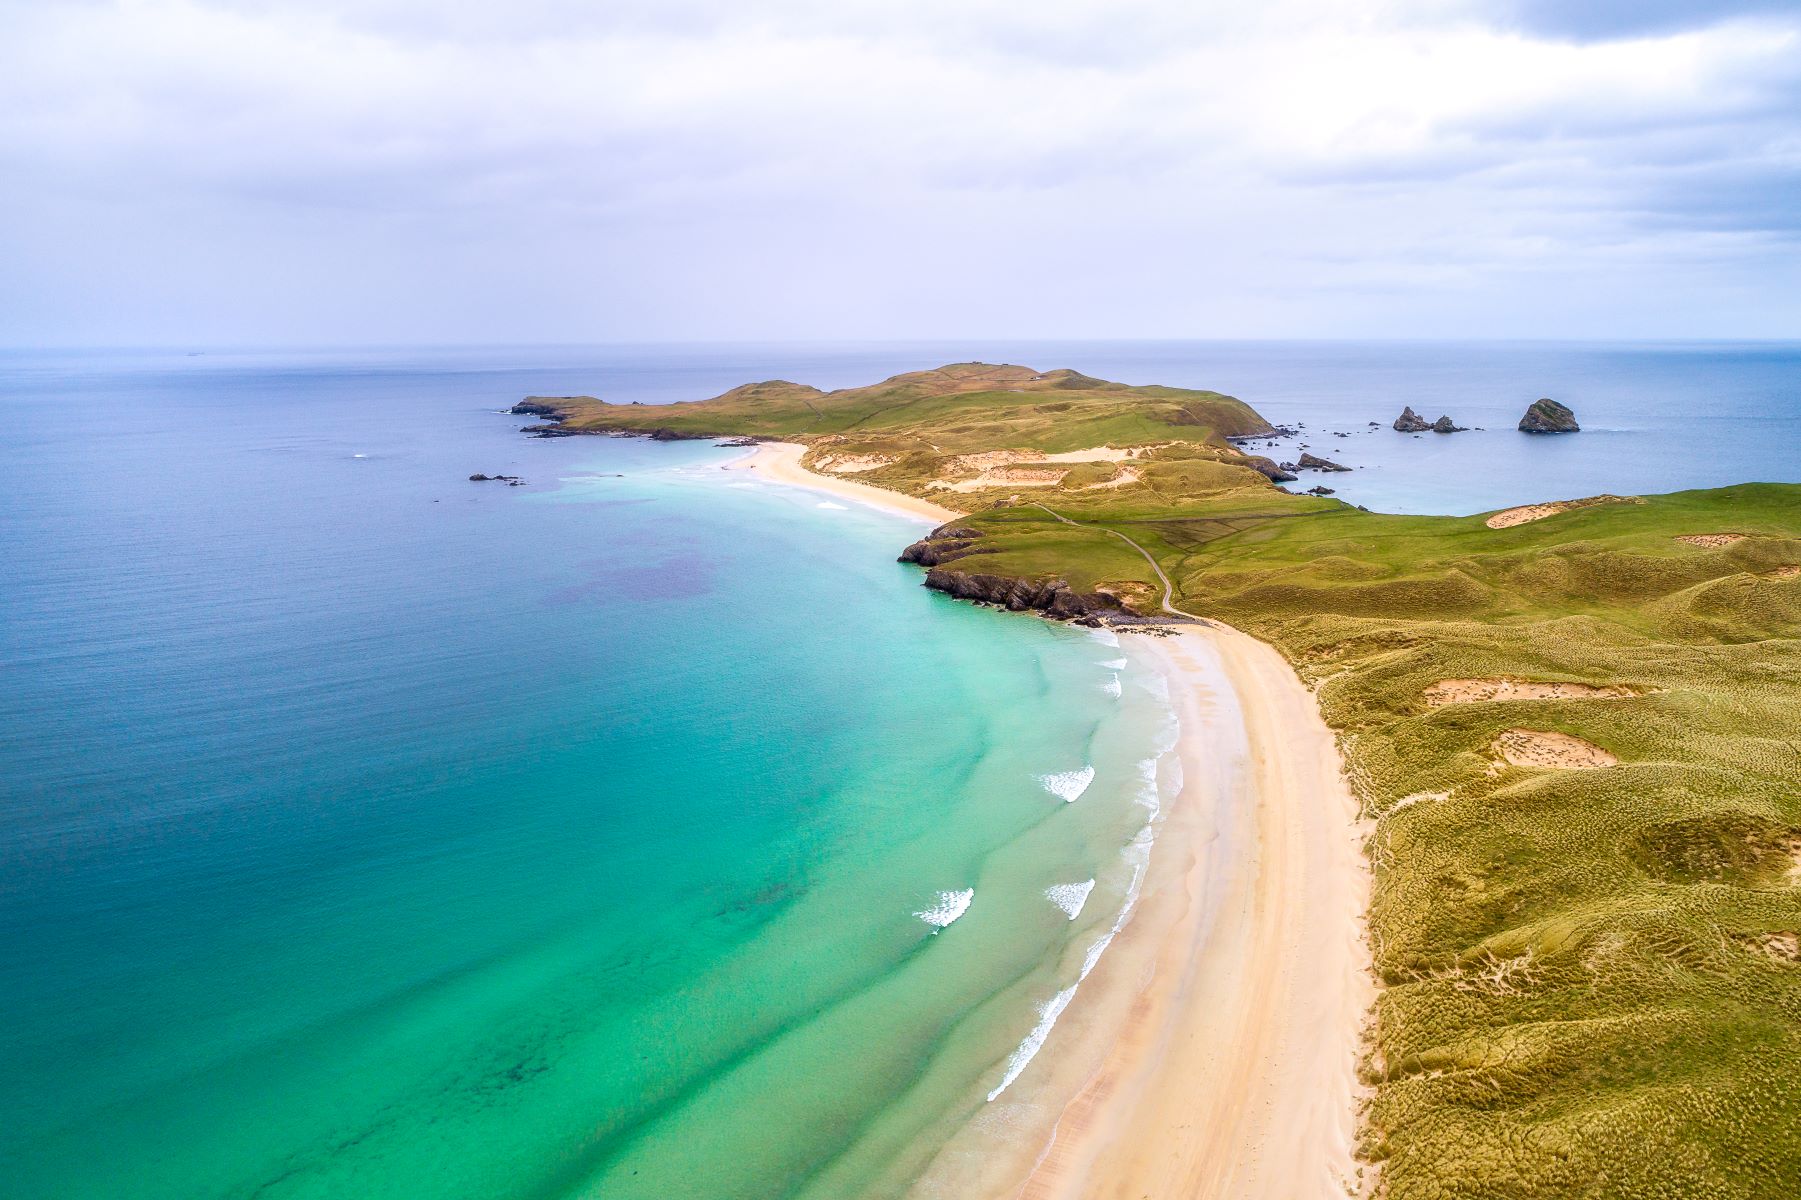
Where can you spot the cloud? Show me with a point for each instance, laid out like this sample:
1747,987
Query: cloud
546,169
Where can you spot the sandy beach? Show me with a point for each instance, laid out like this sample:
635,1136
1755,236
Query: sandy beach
1234,1073
779,462
1213,1050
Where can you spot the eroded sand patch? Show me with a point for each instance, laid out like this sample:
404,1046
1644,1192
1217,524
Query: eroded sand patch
1541,748
1785,572
1471,691
1005,477
850,464
1538,512
1710,540
1127,476
1781,946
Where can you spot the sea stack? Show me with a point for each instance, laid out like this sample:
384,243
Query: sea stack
1411,422
1548,416
1446,425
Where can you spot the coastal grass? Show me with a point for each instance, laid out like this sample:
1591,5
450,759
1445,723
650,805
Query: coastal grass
1592,977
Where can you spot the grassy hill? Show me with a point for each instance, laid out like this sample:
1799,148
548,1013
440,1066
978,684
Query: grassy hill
1592,972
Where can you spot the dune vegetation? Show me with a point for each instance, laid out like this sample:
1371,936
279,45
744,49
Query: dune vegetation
1591,963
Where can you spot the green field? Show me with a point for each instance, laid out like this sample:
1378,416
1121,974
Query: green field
1592,977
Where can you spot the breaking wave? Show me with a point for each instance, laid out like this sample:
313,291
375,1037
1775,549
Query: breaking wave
1028,1049
1070,897
1111,687
947,908
1068,786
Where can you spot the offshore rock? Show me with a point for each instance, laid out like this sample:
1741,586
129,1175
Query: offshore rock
1411,422
1445,425
1054,598
1548,416
1311,462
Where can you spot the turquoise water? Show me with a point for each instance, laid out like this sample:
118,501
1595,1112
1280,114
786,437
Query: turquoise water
370,832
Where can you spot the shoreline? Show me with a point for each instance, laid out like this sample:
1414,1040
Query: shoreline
779,462
1213,1051
1235,1074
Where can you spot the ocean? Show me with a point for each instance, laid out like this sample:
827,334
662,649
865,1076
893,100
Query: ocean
644,830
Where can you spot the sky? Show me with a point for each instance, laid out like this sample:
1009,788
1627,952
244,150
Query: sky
432,171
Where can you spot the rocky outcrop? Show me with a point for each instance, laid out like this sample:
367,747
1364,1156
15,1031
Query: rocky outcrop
1053,597
1446,425
1411,422
1309,462
944,544
1320,490
1548,416
1268,468
539,408
509,480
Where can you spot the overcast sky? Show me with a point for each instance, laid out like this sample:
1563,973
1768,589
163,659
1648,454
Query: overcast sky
383,171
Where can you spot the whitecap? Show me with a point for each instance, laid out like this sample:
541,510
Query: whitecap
1114,664
829,504
947,908
1028,1049
1070,897
1111,687
1068,786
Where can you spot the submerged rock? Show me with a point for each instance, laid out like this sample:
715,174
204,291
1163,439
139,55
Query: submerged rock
1548,416
1411,422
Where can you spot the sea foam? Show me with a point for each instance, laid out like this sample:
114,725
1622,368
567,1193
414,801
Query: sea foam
1105,637
1112,688
829,504
947,908
1028,1049
1070,897
1068,786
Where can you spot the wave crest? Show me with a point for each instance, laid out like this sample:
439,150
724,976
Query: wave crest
947,908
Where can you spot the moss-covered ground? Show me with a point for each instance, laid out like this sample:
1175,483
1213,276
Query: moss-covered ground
1591,977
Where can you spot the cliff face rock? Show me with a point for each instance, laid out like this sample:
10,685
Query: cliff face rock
1446,425
1309,462
1548,416
1268,468
1054,598
1411,422
944,544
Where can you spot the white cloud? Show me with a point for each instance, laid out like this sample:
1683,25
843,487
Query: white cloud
806,168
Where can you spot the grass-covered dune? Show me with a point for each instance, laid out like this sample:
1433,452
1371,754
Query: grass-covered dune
1590,942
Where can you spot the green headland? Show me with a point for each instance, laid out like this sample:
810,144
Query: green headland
1576,730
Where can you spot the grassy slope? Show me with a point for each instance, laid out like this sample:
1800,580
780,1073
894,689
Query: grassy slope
1576,1000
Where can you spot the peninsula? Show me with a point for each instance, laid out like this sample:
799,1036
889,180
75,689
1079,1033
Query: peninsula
1568,730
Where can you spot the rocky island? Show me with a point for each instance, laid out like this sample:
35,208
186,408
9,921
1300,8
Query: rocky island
1548,416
